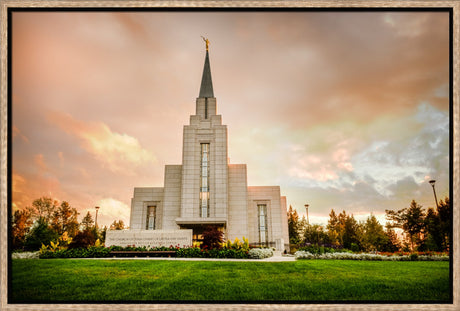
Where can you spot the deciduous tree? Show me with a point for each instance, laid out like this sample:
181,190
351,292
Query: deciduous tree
44,208
117,225
22,221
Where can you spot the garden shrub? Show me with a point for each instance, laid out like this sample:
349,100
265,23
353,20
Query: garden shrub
238,244
354,247
83,239
212,238
260,253
366,256
316,249
196,252
25,255
91,252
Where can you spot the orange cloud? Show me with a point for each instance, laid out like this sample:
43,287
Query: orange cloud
17,133
119,152
40,162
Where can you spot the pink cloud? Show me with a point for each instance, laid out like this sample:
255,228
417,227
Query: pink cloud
118,152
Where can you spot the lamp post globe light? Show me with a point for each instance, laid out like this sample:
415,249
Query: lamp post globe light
97,210
432,182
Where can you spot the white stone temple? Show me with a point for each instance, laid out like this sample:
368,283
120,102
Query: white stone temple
207,190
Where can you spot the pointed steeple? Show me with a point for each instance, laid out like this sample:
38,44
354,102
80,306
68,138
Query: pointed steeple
206,81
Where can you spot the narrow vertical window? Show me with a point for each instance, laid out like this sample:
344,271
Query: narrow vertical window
151,211
263,232
204,187
205,107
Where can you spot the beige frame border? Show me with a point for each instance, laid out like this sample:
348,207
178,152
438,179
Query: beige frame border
5,4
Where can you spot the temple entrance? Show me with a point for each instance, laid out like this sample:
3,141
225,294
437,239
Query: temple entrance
197,235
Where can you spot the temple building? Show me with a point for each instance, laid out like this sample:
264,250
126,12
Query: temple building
207,190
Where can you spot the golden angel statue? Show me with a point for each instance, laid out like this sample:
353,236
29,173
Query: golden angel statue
207,42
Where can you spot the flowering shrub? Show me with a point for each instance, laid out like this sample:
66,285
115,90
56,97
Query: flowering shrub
237,244
366,256
426,253
25,255
260,253
61,243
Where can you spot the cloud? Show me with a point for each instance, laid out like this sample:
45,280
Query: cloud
17,133
118,152
340,109
40,162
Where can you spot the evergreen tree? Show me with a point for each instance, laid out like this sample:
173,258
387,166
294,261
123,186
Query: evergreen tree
65,219
444,212
374,237
87,221
437,227
411,220
333,228
392,242
41,233
351,233
293,225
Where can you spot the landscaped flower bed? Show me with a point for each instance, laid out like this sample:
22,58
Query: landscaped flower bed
104,252
366,256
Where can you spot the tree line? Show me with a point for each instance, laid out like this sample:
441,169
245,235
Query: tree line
48,220
409,229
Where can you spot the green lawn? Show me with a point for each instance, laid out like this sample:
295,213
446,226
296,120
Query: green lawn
67,280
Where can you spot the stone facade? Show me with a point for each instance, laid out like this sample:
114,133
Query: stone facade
207,190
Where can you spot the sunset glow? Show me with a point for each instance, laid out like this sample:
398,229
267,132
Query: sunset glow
344,110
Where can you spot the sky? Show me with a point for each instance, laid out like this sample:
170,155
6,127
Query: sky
343,110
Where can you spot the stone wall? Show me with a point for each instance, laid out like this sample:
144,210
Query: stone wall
172,192
237,225
144,197
270,196
148,238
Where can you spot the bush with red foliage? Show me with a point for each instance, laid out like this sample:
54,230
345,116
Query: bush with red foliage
212,238
83,239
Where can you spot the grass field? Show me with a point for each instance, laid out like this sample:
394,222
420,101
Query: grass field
74,280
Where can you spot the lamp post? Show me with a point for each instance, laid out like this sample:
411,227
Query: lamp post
308,220
97,210
432,182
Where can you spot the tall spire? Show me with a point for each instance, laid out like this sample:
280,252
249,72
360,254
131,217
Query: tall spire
206,81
